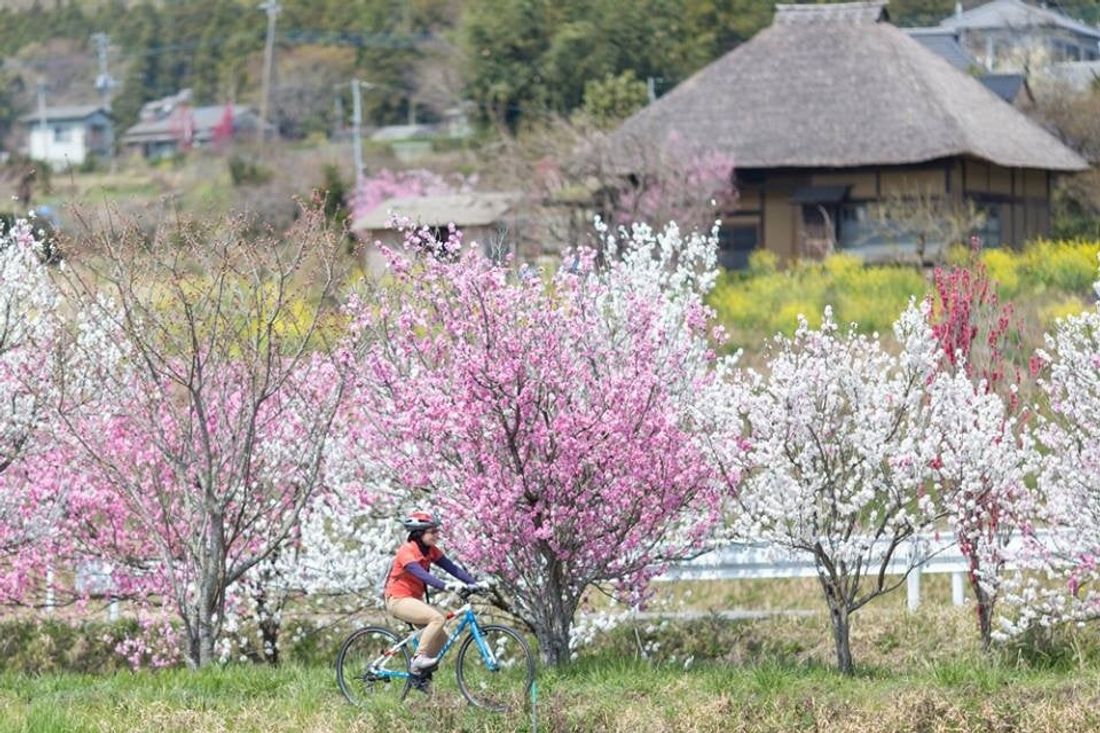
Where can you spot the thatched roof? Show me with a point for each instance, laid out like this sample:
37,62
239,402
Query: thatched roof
838,86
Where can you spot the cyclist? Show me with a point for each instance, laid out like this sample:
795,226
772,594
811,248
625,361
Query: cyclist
408,580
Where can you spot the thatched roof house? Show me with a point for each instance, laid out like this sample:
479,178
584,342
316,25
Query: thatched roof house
832,108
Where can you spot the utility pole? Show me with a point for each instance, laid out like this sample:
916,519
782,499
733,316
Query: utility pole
105,84
651,87
357,127
271,7
357,86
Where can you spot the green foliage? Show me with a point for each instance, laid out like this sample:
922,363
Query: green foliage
1063,267
1076,204
611,100
246,172
523,56
534,56
335,191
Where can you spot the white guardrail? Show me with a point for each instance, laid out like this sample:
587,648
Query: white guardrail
744,561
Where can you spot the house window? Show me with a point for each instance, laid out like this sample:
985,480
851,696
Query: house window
735,243
61,134
858,226
990,232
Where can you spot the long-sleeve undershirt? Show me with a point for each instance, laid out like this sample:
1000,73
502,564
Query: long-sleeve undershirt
447,564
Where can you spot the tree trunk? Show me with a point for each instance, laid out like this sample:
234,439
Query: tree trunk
201,631
985,604
553,638
838,614
553,620
269,632
211,600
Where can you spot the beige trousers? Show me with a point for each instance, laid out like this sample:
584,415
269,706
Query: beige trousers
420,614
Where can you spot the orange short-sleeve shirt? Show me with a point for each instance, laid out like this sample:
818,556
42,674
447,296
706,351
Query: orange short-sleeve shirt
401,583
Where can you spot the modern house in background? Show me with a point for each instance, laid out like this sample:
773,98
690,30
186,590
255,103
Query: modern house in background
65,137
171,125
832,109
1012,87
1006,35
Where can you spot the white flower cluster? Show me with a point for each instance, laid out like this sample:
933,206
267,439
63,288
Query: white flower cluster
1059,563
838,443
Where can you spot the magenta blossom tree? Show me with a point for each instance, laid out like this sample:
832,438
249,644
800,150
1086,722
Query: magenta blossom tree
549,419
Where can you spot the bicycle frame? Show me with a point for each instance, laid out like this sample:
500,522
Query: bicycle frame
469,621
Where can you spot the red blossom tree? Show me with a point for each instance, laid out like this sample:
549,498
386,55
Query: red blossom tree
975,332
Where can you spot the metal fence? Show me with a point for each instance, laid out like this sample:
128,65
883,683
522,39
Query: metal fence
935,554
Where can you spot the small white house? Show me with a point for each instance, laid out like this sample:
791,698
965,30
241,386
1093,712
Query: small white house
67,136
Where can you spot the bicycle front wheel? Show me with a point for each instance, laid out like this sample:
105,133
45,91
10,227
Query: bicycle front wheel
365,663
498,676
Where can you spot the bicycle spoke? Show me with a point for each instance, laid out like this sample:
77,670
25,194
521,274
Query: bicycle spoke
363,664
499,676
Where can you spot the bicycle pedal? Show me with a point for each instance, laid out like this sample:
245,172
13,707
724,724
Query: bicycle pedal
421,684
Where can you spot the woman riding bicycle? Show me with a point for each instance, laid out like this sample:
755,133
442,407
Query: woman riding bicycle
408,580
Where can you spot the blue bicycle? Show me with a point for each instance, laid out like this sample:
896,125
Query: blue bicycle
495,667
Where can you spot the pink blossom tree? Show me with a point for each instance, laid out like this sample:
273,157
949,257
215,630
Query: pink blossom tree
834,462
204,357
549,419
28,323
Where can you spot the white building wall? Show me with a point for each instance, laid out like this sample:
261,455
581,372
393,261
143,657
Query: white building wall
61,144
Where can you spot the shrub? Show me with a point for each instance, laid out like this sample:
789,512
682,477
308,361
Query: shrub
38,646
245,172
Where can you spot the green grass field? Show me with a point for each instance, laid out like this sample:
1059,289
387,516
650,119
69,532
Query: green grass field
604,692
916,672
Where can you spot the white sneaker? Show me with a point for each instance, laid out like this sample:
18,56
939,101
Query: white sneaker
420,663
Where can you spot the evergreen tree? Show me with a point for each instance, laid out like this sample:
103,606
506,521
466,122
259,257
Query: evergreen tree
142,81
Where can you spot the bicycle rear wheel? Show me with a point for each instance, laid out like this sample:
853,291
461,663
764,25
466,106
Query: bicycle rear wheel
361,680
501,678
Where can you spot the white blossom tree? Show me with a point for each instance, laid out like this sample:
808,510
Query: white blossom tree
985,459
834,462
1060,567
